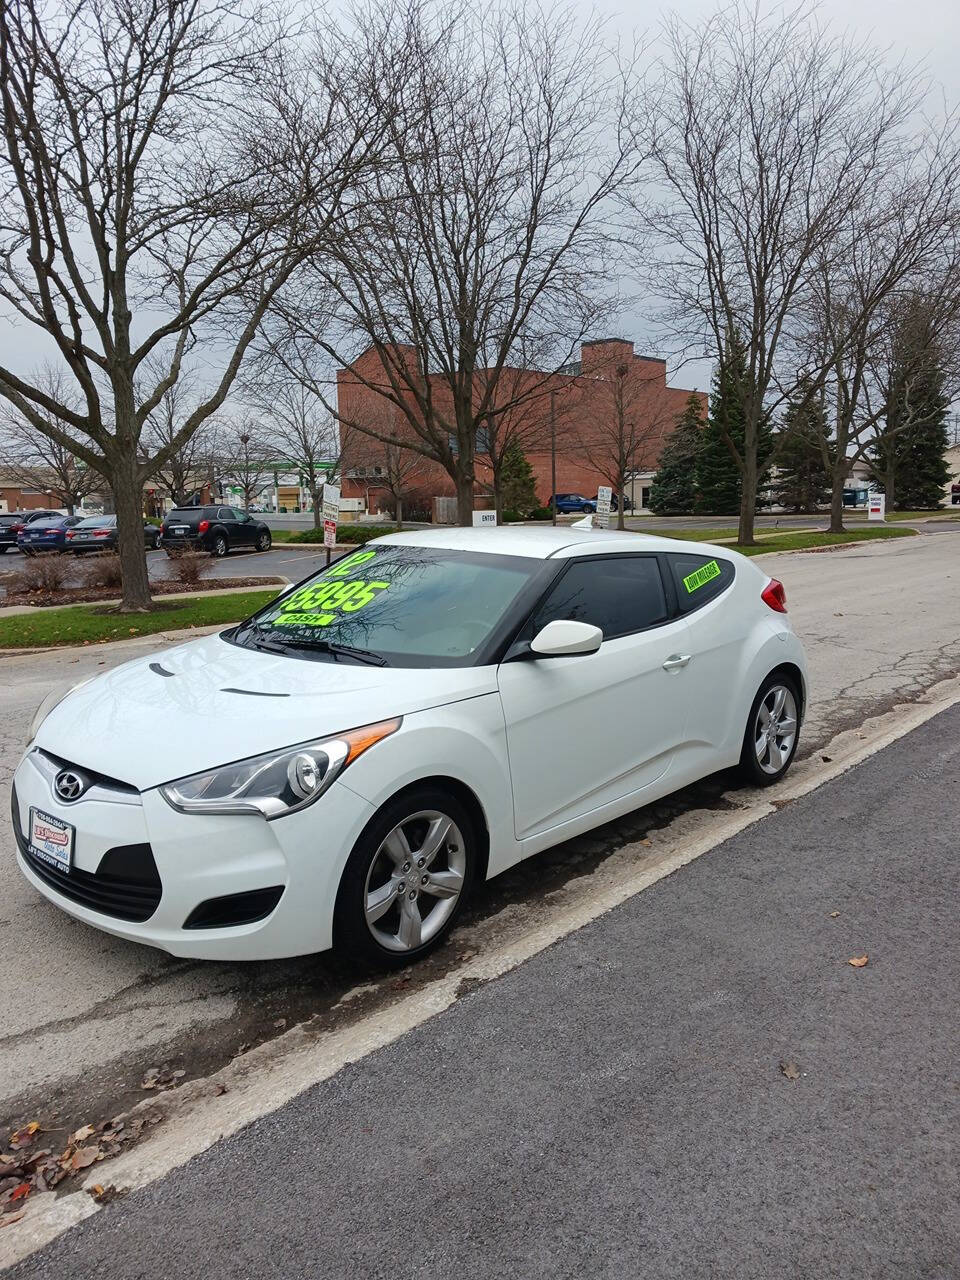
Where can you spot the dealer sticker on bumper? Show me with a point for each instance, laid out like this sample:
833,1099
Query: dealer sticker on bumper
51,840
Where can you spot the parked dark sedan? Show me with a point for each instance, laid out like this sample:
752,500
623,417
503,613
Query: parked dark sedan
99,533
216,529
13,523
49,534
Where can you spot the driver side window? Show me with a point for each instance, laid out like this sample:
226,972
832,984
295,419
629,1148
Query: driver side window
618,594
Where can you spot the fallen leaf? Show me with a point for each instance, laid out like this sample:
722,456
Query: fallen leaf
9,1219
103,1195
790,1070
834,914
85,1156
20,1137
858,961
20,1193
81,1135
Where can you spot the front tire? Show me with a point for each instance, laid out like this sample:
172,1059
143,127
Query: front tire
773,731
264,542
406,880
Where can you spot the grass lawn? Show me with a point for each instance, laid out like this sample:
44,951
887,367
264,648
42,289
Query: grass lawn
282,535
92,624
800,541
946,513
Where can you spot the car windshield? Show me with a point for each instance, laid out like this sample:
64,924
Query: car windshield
396,605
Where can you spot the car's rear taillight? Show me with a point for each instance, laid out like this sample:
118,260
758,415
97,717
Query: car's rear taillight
19,528
203,526
97,533
69,533
774,596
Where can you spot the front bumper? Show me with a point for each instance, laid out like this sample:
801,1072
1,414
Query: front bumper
198,859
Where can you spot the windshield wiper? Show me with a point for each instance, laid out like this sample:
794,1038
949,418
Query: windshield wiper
338,650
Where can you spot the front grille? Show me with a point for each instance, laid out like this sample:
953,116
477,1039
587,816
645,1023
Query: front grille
126,884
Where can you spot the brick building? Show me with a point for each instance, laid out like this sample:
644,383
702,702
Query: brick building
608,393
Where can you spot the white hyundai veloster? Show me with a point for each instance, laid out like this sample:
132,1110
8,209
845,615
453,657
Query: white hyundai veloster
427,711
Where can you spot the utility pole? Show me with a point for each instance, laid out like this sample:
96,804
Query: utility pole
553,455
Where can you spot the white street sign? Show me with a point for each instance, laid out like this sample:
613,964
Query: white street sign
484,517
877,506
604,501
331,502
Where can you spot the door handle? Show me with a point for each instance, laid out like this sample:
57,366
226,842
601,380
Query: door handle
676,661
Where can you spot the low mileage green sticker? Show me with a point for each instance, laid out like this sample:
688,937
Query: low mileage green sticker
706,573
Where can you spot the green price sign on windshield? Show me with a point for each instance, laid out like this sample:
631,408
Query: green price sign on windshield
336,595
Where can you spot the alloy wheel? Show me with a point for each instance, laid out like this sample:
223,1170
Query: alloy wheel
220,546
775,729
414,881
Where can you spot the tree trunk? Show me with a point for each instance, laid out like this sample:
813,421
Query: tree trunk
399,514
748,499
836,499
464,498
128,499
497,492
317,501
620,524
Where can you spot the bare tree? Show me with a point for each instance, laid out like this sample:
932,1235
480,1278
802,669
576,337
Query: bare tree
36,459
245,460
766,131
300,427
494,221
164,170
623,427
189,461
898,246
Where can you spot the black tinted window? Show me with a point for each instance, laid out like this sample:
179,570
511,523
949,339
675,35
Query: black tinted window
618,594
699,579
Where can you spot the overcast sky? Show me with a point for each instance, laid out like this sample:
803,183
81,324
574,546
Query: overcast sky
924,31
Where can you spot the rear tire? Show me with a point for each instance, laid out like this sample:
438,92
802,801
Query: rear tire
385,913
220,546
773,731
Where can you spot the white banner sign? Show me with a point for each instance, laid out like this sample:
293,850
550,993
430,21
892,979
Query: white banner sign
604,501
877,506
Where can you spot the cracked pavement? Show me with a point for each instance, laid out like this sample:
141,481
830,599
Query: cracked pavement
86,1014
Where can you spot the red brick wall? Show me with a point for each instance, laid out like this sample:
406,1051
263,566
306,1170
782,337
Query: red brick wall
585,414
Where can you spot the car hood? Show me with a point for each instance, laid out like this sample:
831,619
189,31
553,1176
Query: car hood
209,702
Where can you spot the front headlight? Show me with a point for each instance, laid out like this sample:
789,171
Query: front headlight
279,782
53,699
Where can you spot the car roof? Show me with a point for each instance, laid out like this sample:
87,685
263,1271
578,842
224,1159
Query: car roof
542,543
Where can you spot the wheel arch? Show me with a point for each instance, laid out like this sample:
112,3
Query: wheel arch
796,675
470,801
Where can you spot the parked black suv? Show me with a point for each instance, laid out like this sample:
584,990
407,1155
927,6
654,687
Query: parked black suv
215,529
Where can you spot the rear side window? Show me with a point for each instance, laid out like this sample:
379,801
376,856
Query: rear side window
699,579
618,594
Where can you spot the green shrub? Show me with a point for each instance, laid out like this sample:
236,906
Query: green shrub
347,533
541,513
511,517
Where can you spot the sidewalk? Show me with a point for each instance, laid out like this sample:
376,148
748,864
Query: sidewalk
617,1106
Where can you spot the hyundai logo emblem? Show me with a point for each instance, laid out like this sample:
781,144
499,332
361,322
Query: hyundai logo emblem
69,785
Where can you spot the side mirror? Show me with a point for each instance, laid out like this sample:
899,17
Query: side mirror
564,638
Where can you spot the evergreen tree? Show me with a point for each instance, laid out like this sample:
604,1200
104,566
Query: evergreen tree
803,479
673,489
718,480
908,458
517,482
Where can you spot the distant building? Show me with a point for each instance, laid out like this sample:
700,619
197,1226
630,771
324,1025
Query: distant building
584,401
